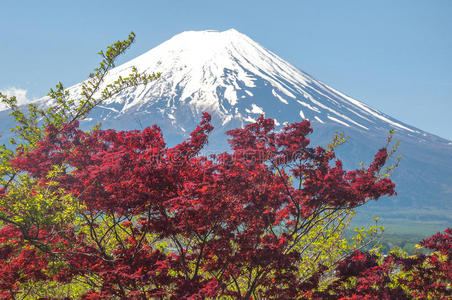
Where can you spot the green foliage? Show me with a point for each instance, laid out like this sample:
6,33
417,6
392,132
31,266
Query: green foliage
29,206
326,243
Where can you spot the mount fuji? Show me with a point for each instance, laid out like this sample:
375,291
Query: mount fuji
236,80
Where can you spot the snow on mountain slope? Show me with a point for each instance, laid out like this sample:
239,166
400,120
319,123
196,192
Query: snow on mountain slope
234,78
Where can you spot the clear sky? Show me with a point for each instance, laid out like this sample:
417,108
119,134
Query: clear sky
395,56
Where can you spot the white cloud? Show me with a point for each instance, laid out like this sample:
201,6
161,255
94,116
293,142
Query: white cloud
21,96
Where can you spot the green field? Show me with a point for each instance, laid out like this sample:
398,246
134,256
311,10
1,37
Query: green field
404,230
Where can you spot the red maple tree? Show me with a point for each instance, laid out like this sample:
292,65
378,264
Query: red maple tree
151,221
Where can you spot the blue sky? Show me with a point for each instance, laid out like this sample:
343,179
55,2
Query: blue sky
395,56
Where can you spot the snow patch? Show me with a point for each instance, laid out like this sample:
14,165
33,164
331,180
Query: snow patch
338,114
318,119
302,114
255,110
226,120
279,97
249,119
359,115
338,121
231,95
309,106
109,108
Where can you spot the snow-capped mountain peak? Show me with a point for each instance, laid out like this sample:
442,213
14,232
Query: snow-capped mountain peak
229,75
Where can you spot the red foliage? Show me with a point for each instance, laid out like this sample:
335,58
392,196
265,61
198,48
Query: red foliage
218,213
429,276
19,262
